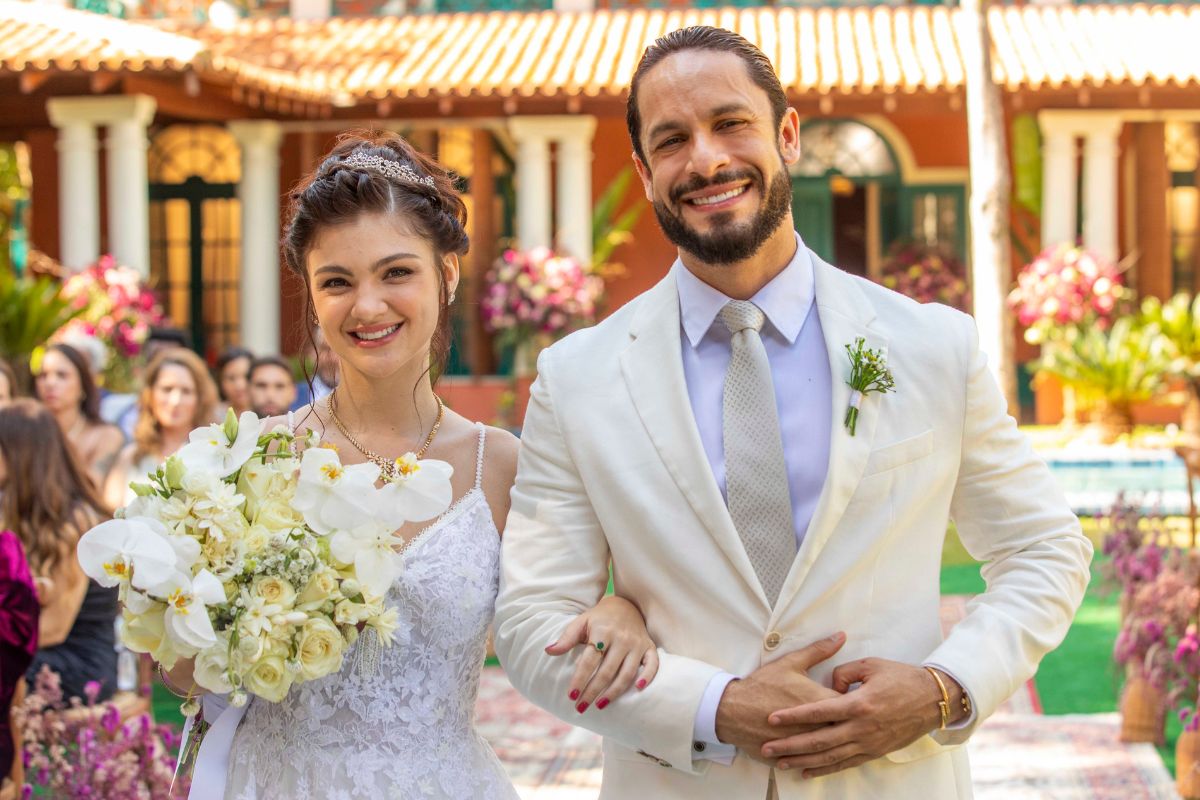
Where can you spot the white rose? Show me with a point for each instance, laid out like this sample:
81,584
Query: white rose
274,591
211,670
322,586
320,649
276,515
269,678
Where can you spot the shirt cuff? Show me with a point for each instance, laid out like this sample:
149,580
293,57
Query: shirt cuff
705,744
965,722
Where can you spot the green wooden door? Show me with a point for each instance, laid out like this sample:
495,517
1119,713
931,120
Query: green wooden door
812,213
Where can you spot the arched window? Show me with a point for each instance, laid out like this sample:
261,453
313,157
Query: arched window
843,147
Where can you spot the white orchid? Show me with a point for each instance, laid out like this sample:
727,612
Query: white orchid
332,496
222,449
421,490
371,548
186,617
123,552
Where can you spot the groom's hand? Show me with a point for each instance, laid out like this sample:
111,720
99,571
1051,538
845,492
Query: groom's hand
895,705
742,715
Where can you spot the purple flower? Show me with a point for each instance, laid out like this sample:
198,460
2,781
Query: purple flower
91,690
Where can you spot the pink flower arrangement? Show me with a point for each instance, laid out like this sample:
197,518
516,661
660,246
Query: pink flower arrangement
119,310
538,292
1134,557
1157,626
1064,286
76,755
926,274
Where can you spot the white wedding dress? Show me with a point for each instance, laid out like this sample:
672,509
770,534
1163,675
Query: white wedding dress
407,730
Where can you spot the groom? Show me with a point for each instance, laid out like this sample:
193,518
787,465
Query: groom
786,565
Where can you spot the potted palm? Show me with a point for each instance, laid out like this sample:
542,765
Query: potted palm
1110,368
1179,321
31,310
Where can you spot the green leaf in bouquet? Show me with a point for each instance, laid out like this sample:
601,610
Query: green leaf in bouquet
142,489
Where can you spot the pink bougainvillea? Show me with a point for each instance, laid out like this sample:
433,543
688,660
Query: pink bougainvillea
74,755
538,292
1067,285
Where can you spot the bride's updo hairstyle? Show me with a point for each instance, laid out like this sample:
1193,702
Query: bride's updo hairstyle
379,173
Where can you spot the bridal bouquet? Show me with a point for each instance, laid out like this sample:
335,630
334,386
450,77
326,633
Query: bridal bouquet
261,556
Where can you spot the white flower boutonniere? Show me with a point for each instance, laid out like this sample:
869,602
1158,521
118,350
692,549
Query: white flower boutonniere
868,373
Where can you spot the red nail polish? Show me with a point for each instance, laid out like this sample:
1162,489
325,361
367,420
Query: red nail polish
574,694
582,707
641,684
601,703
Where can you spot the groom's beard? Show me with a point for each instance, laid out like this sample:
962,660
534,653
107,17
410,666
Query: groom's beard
728,243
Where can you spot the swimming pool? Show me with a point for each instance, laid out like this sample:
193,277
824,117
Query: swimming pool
1093,476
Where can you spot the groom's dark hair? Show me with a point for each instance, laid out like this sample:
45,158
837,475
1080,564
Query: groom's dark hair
704,37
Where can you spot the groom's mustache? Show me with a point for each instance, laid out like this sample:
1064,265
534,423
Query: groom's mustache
697,183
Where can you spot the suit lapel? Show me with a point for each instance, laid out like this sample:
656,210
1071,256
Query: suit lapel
846,314
652,366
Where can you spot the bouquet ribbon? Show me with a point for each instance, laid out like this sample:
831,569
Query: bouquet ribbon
212,762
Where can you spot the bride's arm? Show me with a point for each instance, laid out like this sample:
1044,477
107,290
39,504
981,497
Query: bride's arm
617,650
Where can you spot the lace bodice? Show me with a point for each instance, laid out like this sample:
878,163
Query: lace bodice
407,730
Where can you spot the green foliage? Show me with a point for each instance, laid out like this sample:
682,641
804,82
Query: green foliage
31,310
1122,364
611,227
1027,162
1179,321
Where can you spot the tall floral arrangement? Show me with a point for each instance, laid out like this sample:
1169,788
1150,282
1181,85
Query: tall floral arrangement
84,750
1067,286
117,308
926,274
538,292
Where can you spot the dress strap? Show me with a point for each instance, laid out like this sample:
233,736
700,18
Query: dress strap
479,455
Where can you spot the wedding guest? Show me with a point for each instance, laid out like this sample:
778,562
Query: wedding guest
8,382
326,370
178,396
272,390
67,388
233,379
49,501
18,633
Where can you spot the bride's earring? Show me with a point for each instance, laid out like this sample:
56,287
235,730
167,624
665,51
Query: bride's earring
450,302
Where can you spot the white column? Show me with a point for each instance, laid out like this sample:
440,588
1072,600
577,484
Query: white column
78,185
533,181
1058,185
128,186
258,195
574,194
1100,187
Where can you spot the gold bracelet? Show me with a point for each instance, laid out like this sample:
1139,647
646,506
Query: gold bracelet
172,688
944,703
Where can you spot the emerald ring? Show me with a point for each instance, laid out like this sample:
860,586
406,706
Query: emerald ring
599,646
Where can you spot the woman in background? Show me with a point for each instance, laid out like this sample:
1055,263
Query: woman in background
178,396
49,502
233,379
8,382
18,634
65,385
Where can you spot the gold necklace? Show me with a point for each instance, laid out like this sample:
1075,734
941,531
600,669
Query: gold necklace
386,465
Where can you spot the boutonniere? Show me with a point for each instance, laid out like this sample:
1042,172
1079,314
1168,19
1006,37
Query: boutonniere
868,373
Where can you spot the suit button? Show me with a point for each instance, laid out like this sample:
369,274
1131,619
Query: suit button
772,641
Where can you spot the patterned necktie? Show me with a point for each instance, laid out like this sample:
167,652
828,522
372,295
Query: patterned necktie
756,481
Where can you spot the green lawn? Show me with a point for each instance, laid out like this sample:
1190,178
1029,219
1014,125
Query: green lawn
1079,677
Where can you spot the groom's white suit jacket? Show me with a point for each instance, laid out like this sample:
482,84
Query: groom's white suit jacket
612,466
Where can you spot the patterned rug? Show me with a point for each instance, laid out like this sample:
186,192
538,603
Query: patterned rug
1017,754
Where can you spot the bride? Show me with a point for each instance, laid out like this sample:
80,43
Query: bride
376,234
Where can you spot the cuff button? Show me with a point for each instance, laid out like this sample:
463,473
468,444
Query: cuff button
699,747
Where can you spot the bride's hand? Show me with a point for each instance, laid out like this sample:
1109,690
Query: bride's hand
625,654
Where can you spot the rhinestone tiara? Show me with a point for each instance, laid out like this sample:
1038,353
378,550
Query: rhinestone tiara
385,166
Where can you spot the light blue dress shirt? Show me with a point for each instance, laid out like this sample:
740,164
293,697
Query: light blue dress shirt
800,373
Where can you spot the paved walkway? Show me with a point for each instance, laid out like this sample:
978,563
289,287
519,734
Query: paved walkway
1017,754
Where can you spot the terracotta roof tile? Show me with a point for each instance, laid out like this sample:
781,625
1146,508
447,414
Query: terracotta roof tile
864,49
